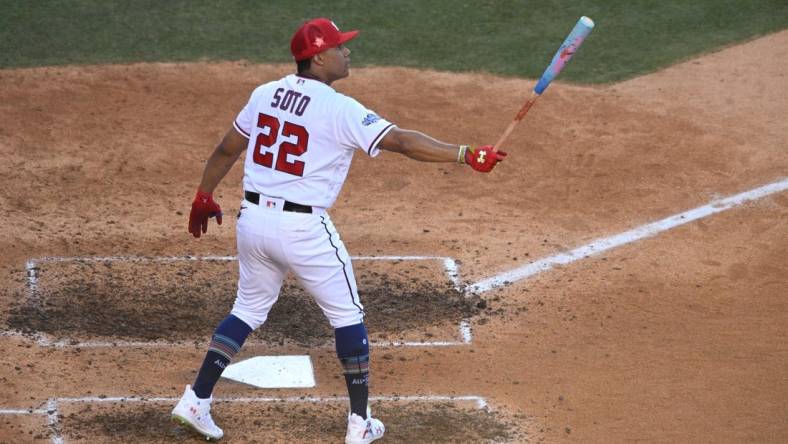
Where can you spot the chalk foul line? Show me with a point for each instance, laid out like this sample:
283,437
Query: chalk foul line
600,245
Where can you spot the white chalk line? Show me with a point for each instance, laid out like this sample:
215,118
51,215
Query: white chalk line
32,280
604,244
450,267
23,411
46,341
52,410
53,421
480,401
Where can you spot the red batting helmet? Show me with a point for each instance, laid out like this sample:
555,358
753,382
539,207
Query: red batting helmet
315,36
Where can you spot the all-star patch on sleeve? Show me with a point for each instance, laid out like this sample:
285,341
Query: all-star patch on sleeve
370,119
361,128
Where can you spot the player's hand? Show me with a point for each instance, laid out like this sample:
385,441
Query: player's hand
203,208
483,158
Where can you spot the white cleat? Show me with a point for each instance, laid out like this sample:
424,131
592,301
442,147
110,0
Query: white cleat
363,431
195,413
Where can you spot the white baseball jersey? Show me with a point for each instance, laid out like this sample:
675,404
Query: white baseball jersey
302,136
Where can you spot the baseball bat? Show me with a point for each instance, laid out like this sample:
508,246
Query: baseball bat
571,43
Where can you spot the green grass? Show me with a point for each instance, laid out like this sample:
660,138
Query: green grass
516,38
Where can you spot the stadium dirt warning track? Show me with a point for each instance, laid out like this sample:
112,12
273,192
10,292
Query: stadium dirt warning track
678,337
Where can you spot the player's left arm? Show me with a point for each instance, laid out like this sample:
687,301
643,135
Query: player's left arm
424,148
418,146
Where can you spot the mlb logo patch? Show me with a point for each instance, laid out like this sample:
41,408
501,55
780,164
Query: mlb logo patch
270,204
370,119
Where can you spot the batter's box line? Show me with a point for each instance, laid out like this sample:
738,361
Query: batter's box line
52,410
450,266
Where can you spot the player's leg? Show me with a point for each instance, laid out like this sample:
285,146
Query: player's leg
194,408
352,346
321,263
260,279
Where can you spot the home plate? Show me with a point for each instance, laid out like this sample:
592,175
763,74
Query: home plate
273,372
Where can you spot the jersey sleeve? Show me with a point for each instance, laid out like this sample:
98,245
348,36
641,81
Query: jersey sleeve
245,119
360,128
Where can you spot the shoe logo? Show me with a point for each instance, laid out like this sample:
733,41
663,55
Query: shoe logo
482,155
370,432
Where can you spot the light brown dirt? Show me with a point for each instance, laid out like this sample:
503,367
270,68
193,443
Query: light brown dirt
679,338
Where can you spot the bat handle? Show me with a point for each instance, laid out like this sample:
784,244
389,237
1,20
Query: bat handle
505,135
520,115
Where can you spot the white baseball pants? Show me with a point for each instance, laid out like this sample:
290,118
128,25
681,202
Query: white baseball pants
272,242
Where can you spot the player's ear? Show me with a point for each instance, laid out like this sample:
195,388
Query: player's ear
317,59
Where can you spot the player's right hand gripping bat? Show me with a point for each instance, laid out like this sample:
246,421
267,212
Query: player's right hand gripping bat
561,57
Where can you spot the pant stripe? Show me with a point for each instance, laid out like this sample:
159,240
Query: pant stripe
350,289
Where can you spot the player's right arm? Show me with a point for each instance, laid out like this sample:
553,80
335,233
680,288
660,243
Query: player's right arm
220,162
424,148
222,159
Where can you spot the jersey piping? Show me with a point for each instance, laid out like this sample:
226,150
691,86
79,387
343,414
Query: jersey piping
377,139
240,131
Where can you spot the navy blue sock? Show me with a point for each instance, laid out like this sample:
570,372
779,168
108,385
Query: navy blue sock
353,352
227,340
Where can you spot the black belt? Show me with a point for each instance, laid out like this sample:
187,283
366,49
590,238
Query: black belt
289,206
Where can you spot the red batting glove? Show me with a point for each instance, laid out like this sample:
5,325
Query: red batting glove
483,158
203,208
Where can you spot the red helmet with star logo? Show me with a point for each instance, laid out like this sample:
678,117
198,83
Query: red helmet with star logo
315,36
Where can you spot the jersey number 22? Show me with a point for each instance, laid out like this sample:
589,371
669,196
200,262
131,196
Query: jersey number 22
263,157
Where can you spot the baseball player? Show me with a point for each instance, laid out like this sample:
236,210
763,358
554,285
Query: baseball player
300,136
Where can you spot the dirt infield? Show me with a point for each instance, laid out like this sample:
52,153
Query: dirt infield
680,337
149,300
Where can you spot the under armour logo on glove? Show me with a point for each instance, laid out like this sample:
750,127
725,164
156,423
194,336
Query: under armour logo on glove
483,158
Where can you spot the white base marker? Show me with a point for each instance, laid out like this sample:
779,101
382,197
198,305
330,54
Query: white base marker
642,232
273,372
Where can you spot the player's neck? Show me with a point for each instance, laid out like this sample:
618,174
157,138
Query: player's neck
313,76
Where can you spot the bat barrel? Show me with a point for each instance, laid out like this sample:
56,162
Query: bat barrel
573,41
579,33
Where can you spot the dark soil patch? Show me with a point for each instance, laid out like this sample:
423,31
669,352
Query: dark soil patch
185,300
289,422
